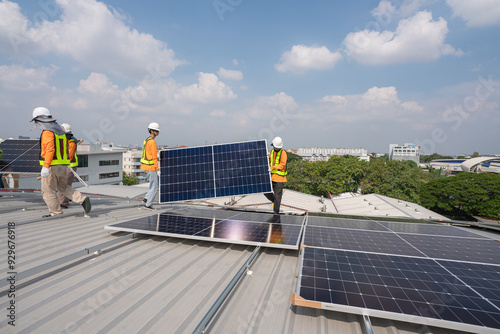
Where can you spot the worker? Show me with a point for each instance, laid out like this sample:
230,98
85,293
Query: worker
54,159
73,159
277,168
149,163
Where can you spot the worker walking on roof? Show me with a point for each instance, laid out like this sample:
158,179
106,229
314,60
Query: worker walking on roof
54,159
73,159
149,163
277,168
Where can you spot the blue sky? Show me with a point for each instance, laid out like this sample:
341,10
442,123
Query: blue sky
319,74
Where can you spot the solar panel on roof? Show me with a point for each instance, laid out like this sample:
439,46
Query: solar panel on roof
350,239
20,156
418,290
214,171
261,229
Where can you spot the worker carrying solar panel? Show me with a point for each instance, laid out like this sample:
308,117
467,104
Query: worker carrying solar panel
277,168
54,159
73,159
149,163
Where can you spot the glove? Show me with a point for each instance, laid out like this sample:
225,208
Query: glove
270,170
45,172
158,173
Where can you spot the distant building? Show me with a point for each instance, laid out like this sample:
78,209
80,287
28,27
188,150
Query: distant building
475,165
132,164
323,154
404,152
99,163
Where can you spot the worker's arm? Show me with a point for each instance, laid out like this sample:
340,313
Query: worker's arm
48,149
282,165
152,152
72,150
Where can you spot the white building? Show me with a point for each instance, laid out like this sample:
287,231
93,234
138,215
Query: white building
323,154
99,164
405,152
132,164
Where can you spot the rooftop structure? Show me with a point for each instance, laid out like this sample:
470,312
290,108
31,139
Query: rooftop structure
323,154
404,152
74,276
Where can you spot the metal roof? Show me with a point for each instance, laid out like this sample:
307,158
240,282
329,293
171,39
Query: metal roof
80,278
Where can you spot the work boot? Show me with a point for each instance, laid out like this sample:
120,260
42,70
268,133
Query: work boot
86,204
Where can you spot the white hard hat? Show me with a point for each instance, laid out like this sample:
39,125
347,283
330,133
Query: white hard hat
154,126
66,127
277,142
41,111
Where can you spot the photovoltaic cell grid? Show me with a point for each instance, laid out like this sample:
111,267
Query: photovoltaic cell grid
20,156
214,171
453,281
398,227
418,290
271,231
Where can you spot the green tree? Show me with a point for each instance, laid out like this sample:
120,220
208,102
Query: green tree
475,155
292,157
466,194
397,179
433,156
129,179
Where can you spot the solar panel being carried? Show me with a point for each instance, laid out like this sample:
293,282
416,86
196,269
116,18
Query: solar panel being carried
214,171
269,230
450,280
20,156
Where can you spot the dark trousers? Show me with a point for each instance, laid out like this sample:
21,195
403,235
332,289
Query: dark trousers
276,195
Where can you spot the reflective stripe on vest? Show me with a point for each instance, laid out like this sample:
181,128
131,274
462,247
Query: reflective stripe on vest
61,150
74,161
277,162
143,157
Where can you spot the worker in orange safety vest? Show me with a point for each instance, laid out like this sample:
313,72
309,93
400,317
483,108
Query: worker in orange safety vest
149,163
278,170
54,159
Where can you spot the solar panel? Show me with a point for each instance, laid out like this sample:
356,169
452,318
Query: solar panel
360,224
429,229
214,171
20,156
417,290
270,231
461,249
368,241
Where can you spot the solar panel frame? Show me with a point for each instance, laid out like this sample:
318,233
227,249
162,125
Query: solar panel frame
403,288
275,231
214,171
20,156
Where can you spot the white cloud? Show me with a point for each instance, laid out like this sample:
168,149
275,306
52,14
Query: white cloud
235,62
476,13
97,84
89,33
416,39
230,74
208,90
218,113
376,104
302,58
18,77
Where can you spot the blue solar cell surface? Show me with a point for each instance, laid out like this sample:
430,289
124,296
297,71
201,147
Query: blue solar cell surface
20,156
429,274
277,231
214,171
407,287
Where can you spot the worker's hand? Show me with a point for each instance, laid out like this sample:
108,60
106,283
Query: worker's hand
270,170
45,172
158,173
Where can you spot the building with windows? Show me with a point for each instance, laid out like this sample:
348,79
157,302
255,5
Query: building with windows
132,164
323,154
99,166
404,152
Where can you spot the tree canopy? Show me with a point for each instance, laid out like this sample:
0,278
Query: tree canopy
468,194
